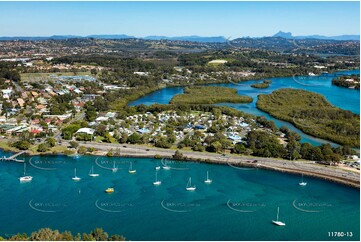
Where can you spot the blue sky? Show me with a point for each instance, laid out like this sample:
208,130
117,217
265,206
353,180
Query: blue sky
229,19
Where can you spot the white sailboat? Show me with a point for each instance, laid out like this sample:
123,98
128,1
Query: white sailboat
165,166
131,170
157,167
156,182
302,183
114,169
208,181
25,178
189,186
277,222
91,172
75,178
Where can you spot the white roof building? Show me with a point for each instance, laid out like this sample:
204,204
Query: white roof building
85,131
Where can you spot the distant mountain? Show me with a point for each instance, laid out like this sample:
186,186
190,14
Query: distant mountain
193,38
56,37
285,35
110,36
288,35
63,37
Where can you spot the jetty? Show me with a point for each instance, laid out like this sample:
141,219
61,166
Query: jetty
13,157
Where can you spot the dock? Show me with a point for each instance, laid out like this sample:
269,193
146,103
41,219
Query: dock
13,157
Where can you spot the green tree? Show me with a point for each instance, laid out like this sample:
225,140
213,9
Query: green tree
216,146
45,234
51,141
69,130
99,235
163,142
239,148
21,145
43,147
293,149
134,138
82,150
90,112
74,144
123,138
178,155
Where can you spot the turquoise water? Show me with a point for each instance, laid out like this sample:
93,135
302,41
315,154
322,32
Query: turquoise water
141,211
348,99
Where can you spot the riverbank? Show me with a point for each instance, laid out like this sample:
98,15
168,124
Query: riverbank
339,174
308,168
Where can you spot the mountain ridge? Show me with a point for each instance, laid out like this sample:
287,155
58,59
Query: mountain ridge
193,38
288,35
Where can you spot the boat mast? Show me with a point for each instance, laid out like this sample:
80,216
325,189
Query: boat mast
278,211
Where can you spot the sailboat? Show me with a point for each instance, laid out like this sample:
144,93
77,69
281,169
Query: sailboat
91,172
189,185
302,183
25,178
157,167
156,182
165,166
131,170
208,181
277,222
114,169
75,178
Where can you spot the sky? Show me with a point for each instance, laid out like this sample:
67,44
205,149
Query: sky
140,19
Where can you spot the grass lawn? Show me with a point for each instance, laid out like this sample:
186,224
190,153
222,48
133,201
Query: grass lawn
5,146
43,76
58,149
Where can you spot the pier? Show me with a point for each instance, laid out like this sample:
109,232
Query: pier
13,157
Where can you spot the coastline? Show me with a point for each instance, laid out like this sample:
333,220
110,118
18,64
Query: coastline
307,168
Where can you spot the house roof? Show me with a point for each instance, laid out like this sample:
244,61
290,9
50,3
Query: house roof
86,131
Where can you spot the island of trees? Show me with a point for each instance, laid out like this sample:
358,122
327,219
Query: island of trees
264,84
209,95
352,81
313,114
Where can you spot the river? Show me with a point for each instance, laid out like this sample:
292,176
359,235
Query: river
348,99
238,205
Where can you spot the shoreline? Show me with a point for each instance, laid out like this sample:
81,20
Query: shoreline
307,168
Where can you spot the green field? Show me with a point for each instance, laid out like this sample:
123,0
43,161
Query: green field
34,77
209,95
313,114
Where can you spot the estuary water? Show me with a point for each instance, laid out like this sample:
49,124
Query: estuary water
348,99
238,205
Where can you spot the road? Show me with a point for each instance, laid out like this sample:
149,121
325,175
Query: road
308,168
